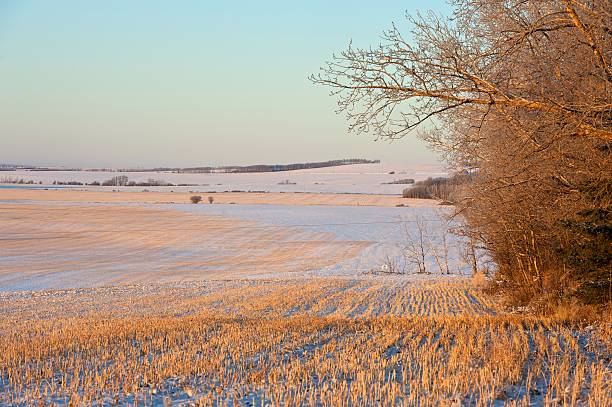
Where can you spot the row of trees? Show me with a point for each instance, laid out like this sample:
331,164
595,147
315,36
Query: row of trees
123,181
271,167
448,189
518,92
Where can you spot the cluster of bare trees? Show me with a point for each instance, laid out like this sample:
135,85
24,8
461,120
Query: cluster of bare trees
416,250
427,249
518,92
420,246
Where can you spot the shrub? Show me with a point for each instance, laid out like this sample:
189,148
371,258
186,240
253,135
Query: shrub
196,199
480,280
211,199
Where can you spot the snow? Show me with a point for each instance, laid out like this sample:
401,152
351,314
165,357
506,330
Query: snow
388,229
362,178
376,236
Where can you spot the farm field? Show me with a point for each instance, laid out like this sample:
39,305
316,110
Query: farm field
111,239
359,178
111,301
81,195
306,204
63,246
321,342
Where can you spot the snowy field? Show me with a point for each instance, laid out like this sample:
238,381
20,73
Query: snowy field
66,245
389,232
362,178
110,298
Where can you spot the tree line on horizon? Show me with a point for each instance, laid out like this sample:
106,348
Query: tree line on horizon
220,169
269,167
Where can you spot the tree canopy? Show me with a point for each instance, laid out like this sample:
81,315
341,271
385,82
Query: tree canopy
519,93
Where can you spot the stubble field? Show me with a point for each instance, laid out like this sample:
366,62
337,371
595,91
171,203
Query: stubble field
211,309
317,342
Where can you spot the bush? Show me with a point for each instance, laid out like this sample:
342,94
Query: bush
480,280
196,199
211,199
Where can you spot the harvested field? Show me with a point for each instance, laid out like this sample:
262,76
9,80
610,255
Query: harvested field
119,303
244,198
293,343
60,246
81,244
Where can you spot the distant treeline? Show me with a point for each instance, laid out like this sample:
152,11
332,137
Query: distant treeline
118,181
11,180
123,181
226,169
261,167
405,181
11,167
445,188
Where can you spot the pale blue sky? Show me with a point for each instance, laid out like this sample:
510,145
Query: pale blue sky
179,83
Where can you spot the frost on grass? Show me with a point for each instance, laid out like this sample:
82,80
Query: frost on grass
302,342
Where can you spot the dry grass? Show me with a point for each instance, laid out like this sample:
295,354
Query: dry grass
480,280
303,342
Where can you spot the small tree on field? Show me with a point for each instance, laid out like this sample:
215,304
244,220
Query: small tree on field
196,199
440,249
416,249
211,199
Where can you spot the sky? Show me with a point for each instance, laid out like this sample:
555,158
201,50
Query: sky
120,83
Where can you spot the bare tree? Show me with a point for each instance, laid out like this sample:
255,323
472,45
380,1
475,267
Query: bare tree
416,249
519,93
469,254
450,66
440,250
392,266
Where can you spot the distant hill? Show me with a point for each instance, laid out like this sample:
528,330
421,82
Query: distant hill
199,170
261,167
16,167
